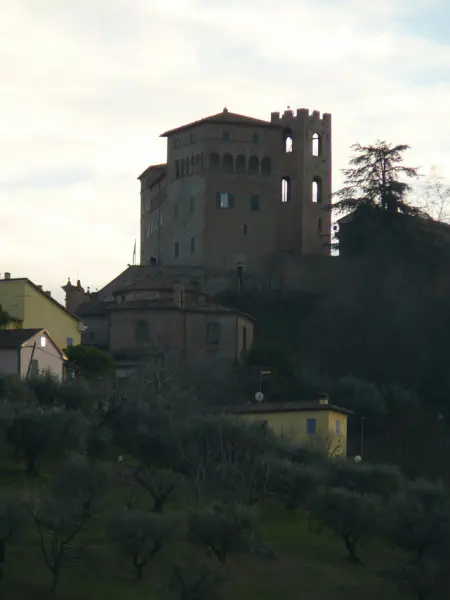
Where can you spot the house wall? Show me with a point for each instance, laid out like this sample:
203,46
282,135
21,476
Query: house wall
9,361
165,328
293,425
41,312
12,297
47,356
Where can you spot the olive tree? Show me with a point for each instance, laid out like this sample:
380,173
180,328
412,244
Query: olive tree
159,484
58,522
294,484
14,512
349,515
140,535
37,433
223,530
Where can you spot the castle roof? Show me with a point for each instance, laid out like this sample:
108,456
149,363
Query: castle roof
154,173
224,118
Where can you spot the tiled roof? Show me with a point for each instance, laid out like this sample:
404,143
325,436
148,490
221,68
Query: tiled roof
156,171
287,407
224,118
158,280
14,338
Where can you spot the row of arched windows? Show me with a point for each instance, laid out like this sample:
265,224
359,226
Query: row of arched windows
186,166
227,163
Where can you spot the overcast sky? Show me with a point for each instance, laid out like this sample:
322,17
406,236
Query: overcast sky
88,86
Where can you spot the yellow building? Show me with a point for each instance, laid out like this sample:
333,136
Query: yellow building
32,308
318,424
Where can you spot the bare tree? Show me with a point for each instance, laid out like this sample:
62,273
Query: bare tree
13,515
433,196
159,484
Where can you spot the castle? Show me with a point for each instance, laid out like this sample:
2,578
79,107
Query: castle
237,193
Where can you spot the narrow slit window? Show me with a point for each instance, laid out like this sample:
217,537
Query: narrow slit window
316,149
285,190
317,190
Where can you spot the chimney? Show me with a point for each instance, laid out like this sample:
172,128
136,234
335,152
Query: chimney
49,294
323,398
7,275
40,287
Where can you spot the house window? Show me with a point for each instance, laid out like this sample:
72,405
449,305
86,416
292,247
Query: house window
43,341
182,167
245,228
224,200
192,245
176,142
175,210
192,137
69,341
226,136
287,140
254,203
244,339
177,168
176,249
191,204
213,333
255,138
311,425
338,427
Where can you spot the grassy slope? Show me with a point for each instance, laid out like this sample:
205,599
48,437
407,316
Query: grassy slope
306,566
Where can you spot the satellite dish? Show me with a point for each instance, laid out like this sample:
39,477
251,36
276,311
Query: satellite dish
259,397
358,459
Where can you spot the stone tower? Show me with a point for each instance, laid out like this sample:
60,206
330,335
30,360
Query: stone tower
304,170
75,295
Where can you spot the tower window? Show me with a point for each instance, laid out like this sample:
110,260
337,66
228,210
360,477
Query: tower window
227,163
317,190
240,163
285,189
266,165
176,249
214,161
176,142
255,138
141,331
224,200
319,225
253,164
245,228
316,145
192,245
192,137
287,140
177,168
254,203
198,162
182,167
187,166
192,164
226,135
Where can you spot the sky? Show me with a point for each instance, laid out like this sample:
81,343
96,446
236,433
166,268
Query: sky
87,87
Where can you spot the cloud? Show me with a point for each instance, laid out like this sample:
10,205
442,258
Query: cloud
89,86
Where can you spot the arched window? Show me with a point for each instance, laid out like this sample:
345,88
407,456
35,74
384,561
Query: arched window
316,145
317,190
197,162
192,164
177,168
253,164
214,161
187,166
141,331
287,140
227,163
240,163
182,167
285,189
266,165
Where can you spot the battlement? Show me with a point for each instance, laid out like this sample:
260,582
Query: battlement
301,114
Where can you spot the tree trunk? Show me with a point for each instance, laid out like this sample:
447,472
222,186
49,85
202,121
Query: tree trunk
138,567
55,572
32,470
350,544
158,506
